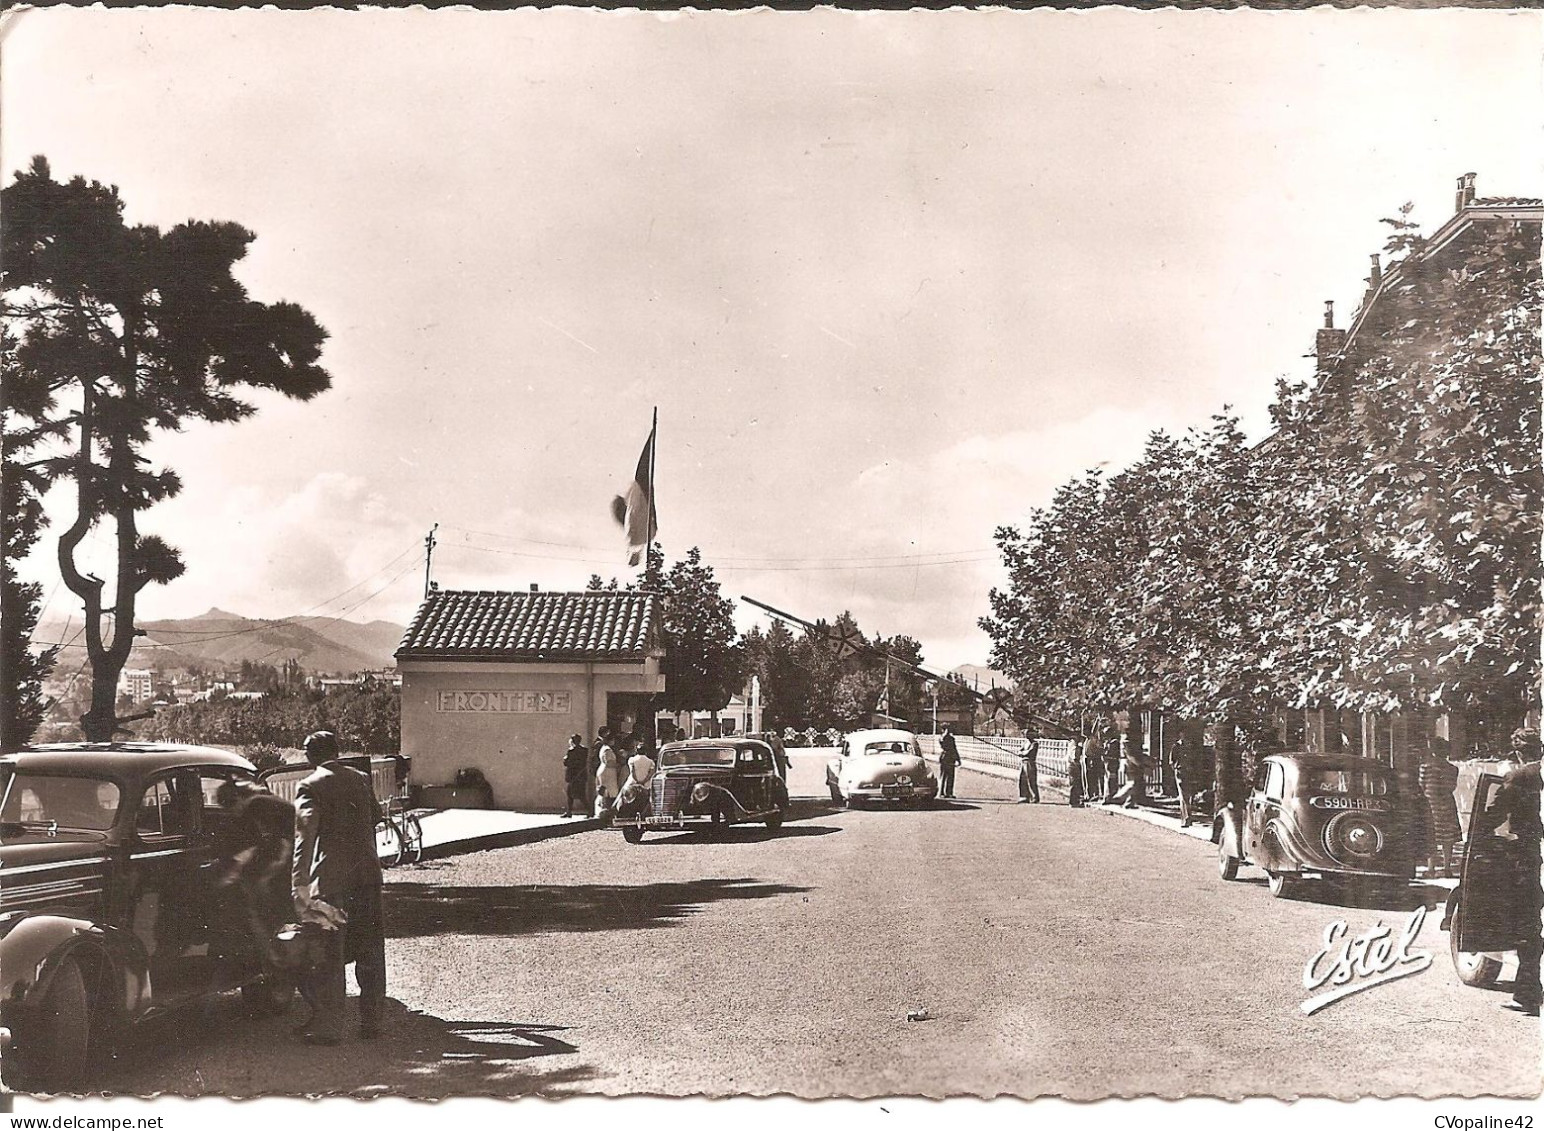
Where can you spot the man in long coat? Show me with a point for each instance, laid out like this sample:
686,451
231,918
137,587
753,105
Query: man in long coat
337,882
948,761
576,777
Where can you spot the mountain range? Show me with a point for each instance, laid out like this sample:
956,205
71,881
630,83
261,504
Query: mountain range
222,640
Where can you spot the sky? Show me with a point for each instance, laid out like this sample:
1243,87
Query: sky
889,278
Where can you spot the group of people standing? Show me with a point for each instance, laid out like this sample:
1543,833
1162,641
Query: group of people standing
595,781
620,765
1094,778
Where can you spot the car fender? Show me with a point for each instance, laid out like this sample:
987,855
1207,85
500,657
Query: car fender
1276,846
833,772
34,947
714,796
1227,833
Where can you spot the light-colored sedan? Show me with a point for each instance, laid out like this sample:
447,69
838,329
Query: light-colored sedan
880,765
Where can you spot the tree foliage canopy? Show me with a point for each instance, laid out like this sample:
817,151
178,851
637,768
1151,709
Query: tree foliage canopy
112,332
1380,551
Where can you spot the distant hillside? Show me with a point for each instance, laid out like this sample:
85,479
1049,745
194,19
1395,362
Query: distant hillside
219,639
981,678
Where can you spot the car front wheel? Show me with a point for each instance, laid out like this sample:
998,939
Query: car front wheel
1227,864
836,794
775,821
51,1052
632,834
1277,882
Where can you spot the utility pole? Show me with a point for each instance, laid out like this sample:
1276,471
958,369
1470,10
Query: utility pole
429,557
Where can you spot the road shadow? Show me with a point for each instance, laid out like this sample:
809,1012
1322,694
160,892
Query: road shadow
1402,898
421,909
418,1056
740,834
808,808
1358,895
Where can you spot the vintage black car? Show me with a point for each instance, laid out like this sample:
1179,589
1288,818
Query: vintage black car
1329,816
110,906
1489,912
708,783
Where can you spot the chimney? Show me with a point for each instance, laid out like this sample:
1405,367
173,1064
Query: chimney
1465,195
1328,342
1377,272
533,587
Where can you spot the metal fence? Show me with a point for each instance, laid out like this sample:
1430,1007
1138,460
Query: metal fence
1054,757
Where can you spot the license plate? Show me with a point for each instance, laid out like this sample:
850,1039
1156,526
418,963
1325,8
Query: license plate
661,820
894,790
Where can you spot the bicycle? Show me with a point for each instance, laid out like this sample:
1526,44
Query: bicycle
399,838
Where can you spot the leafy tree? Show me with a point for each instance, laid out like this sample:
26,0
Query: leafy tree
1381,551
1414,482
704,662
22,668
366,719
118,331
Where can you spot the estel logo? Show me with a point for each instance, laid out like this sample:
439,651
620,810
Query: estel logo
1351,965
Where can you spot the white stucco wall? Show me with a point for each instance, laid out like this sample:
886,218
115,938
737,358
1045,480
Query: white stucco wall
511,721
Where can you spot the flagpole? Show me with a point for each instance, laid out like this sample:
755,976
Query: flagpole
653,528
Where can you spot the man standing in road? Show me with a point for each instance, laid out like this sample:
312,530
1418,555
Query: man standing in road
1191,773
336,881
576,776
1029,773
1112,762
1093,767
948,759
779,755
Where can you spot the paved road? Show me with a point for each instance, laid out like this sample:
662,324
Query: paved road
1055,951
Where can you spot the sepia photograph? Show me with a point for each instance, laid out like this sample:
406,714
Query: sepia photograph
837,555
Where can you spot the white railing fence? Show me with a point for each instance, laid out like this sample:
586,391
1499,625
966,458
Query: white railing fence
1054,757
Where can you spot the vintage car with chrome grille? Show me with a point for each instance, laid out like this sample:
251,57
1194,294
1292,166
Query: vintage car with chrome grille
707,783
111,907
1328,816
880,765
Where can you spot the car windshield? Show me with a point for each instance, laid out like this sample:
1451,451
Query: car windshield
58,801
698,756
887,748
1345,781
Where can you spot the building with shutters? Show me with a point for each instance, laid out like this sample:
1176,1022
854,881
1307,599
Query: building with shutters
498,681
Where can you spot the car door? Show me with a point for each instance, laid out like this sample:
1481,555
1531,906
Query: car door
1254,811
835,767
169,897
1493,884
234,907
1268,849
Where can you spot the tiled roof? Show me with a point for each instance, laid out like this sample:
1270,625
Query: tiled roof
531,627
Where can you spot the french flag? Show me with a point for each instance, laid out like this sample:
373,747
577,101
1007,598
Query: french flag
634,511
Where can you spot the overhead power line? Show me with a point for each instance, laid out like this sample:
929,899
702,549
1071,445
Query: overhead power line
716,563
815,559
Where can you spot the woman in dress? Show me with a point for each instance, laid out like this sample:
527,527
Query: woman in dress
608,780
1439,778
